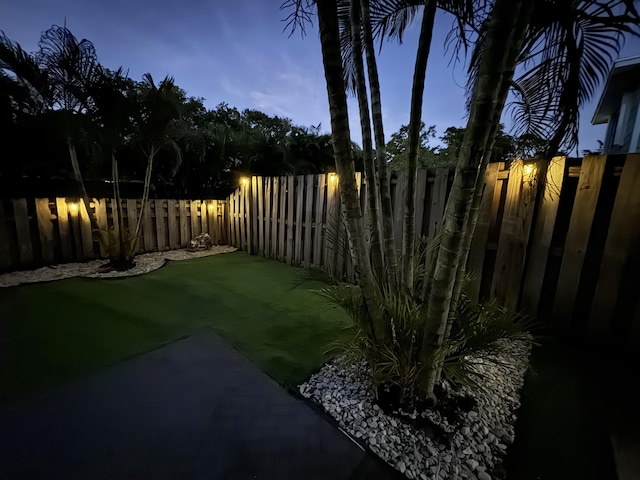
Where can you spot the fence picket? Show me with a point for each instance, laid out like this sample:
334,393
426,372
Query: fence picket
318,214
575,245
45,228
291,181
308,219
63,228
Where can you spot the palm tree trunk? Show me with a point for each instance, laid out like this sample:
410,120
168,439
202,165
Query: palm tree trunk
381,150
415,122
352,214
145,190
377,258
116,194
78,175
507,26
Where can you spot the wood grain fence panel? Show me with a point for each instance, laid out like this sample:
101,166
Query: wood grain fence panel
100,207
331,226
173,224
195,221
308,220
282,217
204,221
438,201
148,230
242,231
542,235
291,182
45,229
161,228
254,215
184,223
233,221
421,194
225,222
260,215
299,202
575,245
268,195
481,234
86,230
318,217
620,246
132,219
514,234
63,229
275,196
21,215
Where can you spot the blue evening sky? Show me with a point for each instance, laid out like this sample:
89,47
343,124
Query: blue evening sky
235,51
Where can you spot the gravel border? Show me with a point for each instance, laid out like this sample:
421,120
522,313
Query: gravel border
477,444
145,263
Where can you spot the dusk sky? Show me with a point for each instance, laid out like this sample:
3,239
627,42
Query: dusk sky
236,52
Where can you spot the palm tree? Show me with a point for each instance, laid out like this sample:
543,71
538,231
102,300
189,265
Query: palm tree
352,214
158,109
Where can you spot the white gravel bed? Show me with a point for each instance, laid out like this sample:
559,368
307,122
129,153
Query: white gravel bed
145,263
476,445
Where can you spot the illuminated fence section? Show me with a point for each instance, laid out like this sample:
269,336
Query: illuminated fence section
45,231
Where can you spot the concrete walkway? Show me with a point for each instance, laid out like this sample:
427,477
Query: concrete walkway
193,409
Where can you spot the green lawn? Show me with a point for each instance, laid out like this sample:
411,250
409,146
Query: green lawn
53,332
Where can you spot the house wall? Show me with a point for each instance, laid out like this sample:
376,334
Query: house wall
623,130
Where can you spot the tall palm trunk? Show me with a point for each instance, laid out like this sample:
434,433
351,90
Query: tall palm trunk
122,254
507,26
377,258
145,189
474,213
78,175
415,120
381,150
352,214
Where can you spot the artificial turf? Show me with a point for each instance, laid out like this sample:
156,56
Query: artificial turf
53,332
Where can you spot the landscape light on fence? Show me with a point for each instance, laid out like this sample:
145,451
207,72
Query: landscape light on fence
245,181
529,170
73,207
211,207
333,178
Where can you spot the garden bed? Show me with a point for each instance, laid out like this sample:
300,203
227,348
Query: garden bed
453,440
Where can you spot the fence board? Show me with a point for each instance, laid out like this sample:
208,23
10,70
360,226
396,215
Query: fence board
63,229
516,224
161,229
100,207
618,250
204,222
308,220
184,223
21,215
438,200
282,241
195,221
232,220
260,216
85,230
173,225
299,216
254,214
421,192
132,219
291,181
275,192
541,240
481,233
148,232
330,228
241,219
45,228
575,245
318,214
267,216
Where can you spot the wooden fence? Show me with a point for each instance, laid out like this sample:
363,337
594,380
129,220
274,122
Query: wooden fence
570,256
45,231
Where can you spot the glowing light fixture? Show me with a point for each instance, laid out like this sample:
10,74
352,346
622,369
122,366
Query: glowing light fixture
73,207
528,169
333,178
211,207
245,181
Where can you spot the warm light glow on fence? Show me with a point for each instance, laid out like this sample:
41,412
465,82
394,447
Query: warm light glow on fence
333,178
245,181
211,207
529,170
73,207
